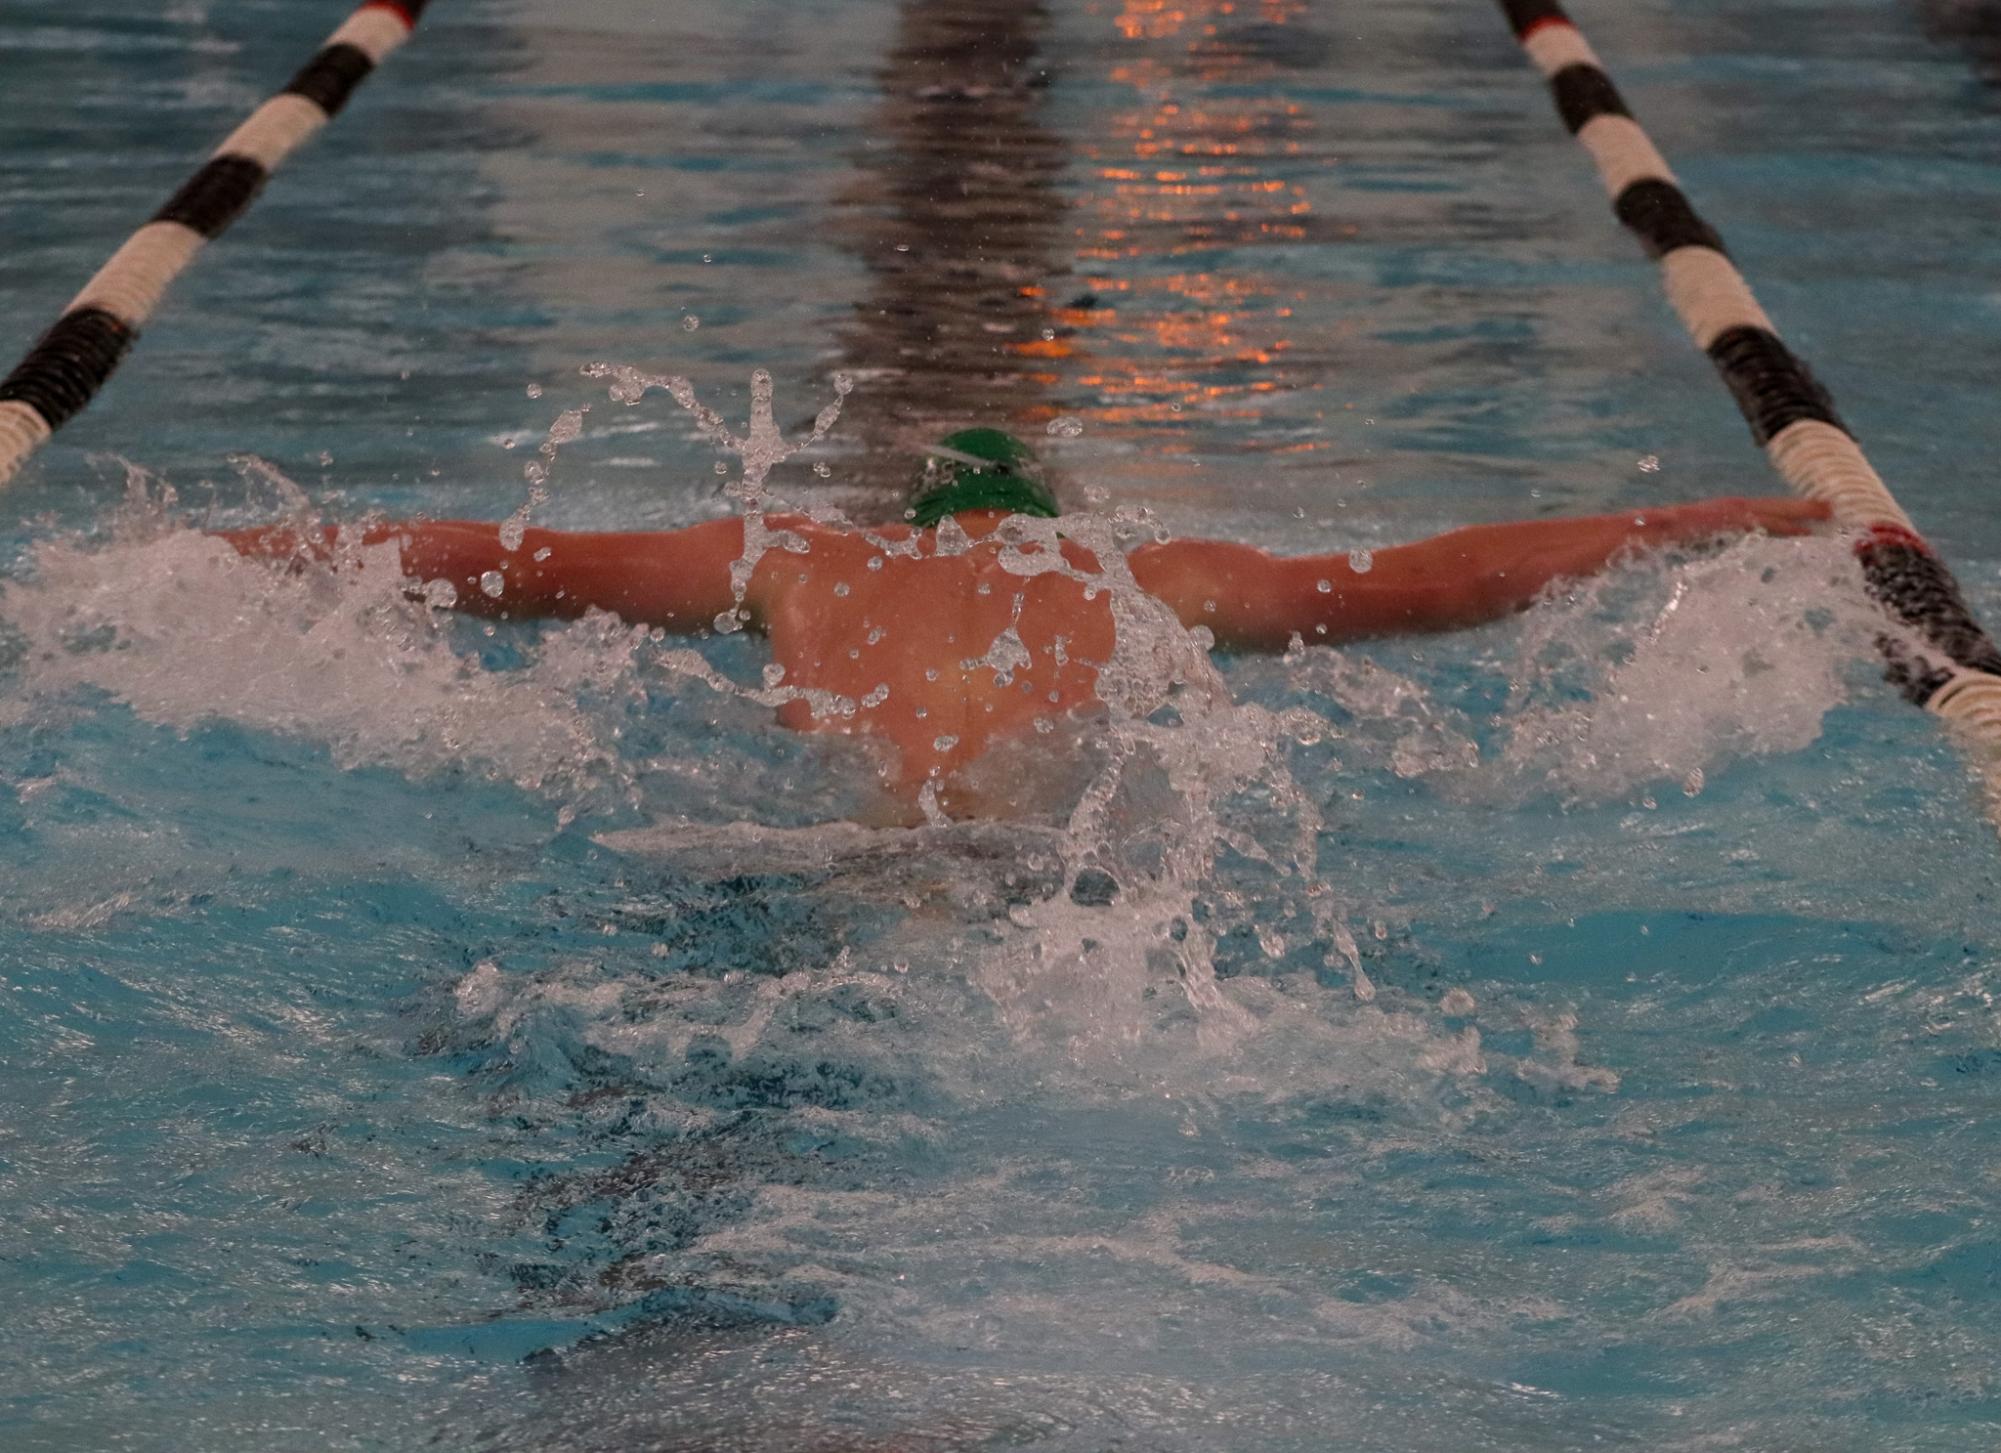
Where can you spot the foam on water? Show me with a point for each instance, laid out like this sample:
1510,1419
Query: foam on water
1188,825
1741,653
775,1071
176,625
1649,676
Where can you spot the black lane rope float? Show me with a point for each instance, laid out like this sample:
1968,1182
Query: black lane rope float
1945,662
66,368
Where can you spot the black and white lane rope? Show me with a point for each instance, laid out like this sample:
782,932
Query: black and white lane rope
66,368
1947,663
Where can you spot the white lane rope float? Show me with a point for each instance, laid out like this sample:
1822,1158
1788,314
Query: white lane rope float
1944,661
71,362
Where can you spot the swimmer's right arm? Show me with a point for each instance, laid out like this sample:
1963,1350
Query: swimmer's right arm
676,579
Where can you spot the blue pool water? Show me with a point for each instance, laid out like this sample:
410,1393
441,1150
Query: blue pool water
413,1036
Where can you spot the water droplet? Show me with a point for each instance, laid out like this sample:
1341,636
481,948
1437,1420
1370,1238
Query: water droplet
1325,587
534,390
1650,464
773,673
841,587
722,466
823,468
944,744
1691,785
875,562
540,555
508,443
690,322
492,583
441,593
567,428
1361,561
1065,426
876,697
326,456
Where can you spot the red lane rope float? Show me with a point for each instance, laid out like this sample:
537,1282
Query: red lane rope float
1946,663
66,368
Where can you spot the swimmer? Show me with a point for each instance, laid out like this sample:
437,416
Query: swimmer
906,632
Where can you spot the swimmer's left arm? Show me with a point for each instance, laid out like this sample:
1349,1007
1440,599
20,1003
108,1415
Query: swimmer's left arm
1253,600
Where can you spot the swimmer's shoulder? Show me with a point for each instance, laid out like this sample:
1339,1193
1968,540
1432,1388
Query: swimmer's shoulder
817,532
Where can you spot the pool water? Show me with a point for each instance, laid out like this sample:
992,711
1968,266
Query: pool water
1578,1032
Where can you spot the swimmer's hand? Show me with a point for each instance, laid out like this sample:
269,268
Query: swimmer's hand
1713,519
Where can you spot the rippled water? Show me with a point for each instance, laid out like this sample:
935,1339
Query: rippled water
414,1034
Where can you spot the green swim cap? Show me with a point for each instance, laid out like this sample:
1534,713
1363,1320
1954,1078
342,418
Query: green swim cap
980,469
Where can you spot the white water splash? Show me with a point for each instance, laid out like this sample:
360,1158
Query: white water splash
567,428
1149,822
1146,831
1654,675
180,628
760,448
1744,654
1176,780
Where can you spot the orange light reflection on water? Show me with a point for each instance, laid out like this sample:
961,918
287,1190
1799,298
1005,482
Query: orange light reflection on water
1187,172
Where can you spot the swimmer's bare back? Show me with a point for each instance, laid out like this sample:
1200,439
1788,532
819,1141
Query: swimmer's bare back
915,643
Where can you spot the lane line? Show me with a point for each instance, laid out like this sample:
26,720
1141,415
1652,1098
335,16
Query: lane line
66,367
1947,663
